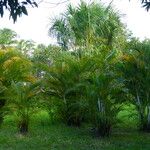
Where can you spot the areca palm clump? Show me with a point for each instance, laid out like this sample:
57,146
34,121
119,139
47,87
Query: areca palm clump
65,80
85,89
136,71
20,87
103,105
22,101
13,67
104,94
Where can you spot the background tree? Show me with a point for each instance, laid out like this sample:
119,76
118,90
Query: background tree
7,38
43,55
26,47
16,8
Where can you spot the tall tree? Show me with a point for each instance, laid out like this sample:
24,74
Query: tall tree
88,26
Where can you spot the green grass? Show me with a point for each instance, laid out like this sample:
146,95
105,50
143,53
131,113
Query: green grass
45,136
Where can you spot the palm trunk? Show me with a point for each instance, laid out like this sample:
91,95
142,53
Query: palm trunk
103,124
100,106
140,111
148,119
24,123
143,116
2,104
24,127
148,112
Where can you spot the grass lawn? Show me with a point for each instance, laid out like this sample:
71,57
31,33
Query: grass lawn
43,136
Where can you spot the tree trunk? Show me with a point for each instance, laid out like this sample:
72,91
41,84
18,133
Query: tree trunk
104,129
2,104
23,127
104,124
104,132
145,121
74,121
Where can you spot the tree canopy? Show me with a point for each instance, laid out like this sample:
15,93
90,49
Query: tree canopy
17,8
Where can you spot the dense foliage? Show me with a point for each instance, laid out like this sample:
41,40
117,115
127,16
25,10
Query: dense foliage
95,73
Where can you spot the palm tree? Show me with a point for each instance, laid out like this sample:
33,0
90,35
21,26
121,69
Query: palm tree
61,31
103,93
65,81
13,67
88,26
22,101
135,68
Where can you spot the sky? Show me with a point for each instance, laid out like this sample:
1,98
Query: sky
35,26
